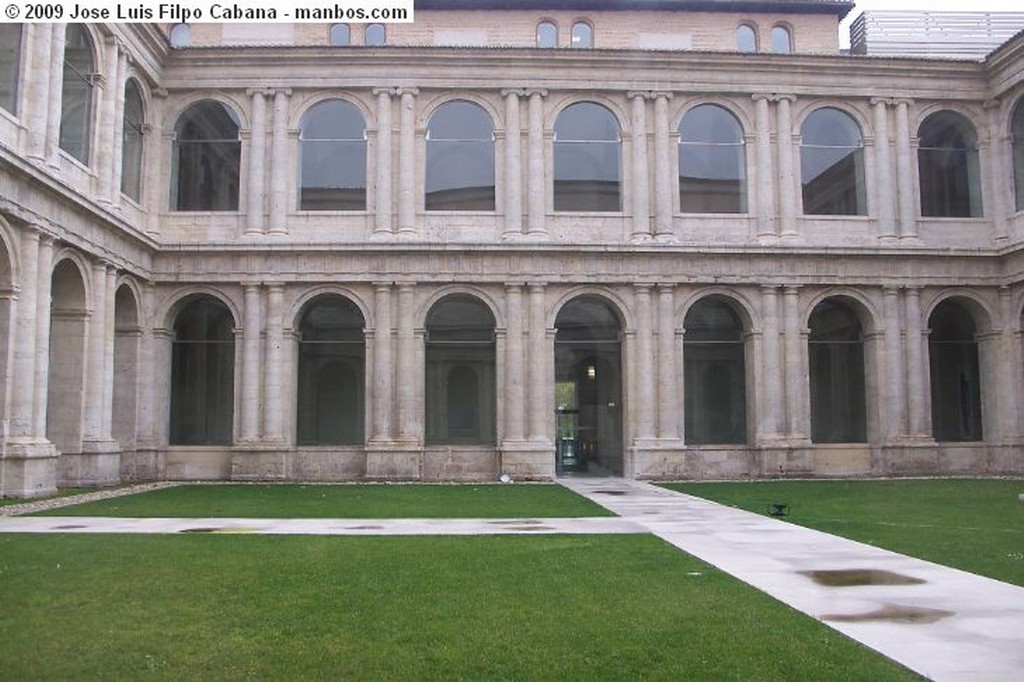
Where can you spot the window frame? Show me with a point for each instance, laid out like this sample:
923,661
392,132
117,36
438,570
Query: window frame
740,146
364,152
436,146
17,53
858,178
565,144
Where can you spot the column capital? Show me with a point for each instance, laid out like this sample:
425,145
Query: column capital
890,290
390,92
643,287
662,94
514,286
902,101
404,91
667,287
538,92
993,103
382,286
536,285
639,94
283,92
275,286
513,92
405,286
885,101
252,92
770,288
791,289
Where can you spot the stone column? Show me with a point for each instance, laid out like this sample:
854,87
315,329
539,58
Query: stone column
644,412
96,355
663,204
917,401
108,360
382,225
257,159
770,401
788,185
273,384
37,97
895,372
252,325
668,409
798,407
156,177
1004,370
537,209
279,182
105,124
765,185
42,315
407,162
998,185
117,161
906,171
406,356
538,364
23,380
147,428
513,165
885,199
382,373
514,365
56,94
641,191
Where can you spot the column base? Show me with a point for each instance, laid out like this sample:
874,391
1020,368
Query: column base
393,461
97,465
29,468
144,463
259,462
528,460
657,458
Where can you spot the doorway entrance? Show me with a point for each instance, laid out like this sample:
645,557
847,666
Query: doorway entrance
588,388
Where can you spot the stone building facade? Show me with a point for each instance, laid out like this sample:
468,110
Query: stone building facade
292,259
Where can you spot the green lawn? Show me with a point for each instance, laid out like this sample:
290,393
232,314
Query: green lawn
345,501
974,525
111,607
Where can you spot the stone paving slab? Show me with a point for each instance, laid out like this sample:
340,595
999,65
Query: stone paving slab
943,623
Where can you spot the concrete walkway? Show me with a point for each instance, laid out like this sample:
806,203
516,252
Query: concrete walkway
940,622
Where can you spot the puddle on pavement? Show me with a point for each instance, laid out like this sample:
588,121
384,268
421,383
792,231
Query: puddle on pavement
893,613
199,530
534,528
364,527
67,527
611,492
522,522
857,577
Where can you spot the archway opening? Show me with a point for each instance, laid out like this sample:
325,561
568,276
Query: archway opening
127,336
66,381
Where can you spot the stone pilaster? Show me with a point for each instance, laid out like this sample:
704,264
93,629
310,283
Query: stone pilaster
279,182
771,399
514,365
765,186
788,186
513,185
668,409
918,397
110,293
106,127
257,163
42,360
641,201
998,182
906,171
644,362
156,176
96,354
382,364
663,165
885,192
798,407
537,177
538,362
273,384
251,326
37,75
895,373
408,430
56,94
382,223
407,186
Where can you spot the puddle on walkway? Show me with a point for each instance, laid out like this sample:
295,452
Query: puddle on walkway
611,492
857,577
199,530
533,528
70,527
893,613
522,522
364,527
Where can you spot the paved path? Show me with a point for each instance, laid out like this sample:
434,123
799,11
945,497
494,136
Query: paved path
943,623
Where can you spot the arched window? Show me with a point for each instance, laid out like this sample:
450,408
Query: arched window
340,34
132,130
782,40
205,162
332,158
832,164
712,162
587,151
460,374
375,34
1017,141
547,34
947,162
715,374
955,374
181,35
746,38
460,159
76,94
836,360
203,374
10,65
582,34
332,369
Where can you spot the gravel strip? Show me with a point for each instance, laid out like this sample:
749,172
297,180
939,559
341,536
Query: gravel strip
105,494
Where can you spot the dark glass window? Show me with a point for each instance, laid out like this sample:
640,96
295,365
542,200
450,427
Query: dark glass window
332,158
547,34
375,34
77,93
340,34
202,374
1017,141
332,370
746,38
582,34
947,161
587,156
460,159
132,130
10,65
832,164
836,359
712,162
715,407
782,40
955,374
460,372
206,153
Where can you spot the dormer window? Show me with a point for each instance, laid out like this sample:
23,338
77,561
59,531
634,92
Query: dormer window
582,35
547,34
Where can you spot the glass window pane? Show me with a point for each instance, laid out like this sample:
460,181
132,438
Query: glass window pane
332,165
202,374
715,408
832,164
955,374
948,167
206,159
460,159
181,35
1017,136
587,156
746,39
375,34
76,97
582,35
836,362
460,373
131,146
332,370
547,34
781,40
712,162
339,34
10,65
